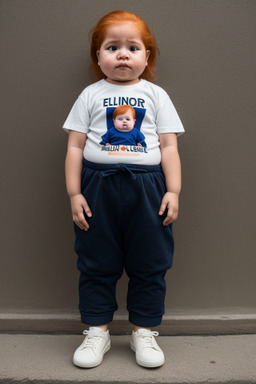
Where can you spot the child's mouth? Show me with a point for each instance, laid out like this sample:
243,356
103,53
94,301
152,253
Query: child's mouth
123,66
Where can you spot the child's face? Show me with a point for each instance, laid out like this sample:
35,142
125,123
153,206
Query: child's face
124,123
122,56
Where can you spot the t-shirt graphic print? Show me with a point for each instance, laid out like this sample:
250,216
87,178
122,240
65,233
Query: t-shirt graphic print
128,143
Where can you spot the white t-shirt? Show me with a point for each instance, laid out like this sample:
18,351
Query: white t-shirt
92,114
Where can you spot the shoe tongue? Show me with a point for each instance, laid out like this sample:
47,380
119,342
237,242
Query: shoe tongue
95,329
142,331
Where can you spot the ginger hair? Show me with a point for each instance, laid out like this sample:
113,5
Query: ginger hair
98,33
122,109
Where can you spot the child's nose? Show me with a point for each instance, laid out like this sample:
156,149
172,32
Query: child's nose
123,53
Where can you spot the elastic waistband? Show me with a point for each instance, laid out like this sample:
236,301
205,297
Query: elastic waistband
110,169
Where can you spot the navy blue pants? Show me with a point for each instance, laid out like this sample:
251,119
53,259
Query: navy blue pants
125,232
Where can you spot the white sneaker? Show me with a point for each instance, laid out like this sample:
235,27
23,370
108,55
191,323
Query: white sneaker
148,352
91,351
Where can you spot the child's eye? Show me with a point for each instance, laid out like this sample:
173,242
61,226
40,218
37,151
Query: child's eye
112,48
133,48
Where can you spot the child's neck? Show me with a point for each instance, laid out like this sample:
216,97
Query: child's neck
123,83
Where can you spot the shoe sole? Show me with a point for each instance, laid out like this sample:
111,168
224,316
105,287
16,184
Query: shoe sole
95,363
143,363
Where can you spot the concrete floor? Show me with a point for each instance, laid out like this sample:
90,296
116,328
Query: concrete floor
189,359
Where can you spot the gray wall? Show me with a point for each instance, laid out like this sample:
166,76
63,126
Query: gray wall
207,64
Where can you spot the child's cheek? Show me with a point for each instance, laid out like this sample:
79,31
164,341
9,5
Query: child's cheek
106,65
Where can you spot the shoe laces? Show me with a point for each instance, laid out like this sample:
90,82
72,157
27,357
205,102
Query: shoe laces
92,339
147,340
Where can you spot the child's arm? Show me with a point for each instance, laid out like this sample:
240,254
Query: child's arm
172,170
73,168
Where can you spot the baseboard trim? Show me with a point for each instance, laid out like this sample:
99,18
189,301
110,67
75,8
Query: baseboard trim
172,325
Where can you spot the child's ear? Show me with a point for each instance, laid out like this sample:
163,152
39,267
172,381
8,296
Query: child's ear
98,55
147,55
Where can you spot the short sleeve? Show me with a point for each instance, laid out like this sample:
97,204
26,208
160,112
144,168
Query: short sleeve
167,118
78,118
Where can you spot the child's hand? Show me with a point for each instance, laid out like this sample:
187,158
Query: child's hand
170,202
79,207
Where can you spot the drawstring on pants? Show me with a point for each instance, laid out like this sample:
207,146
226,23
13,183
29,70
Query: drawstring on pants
121,168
